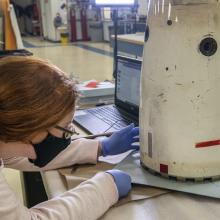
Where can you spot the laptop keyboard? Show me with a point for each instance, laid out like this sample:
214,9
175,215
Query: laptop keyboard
111,116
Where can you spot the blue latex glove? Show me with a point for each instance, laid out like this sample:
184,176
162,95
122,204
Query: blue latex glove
122,181
121,141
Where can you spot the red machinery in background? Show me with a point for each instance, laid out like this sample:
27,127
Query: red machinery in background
73,24
84,26
78,13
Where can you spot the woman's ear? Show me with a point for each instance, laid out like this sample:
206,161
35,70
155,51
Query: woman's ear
38,137
55,132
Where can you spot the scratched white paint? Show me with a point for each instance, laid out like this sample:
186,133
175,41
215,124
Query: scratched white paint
180,89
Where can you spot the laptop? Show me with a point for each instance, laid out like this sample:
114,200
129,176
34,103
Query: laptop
125,110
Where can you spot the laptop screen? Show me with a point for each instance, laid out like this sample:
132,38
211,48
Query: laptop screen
127,94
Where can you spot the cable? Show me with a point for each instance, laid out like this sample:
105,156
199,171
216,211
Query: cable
115,20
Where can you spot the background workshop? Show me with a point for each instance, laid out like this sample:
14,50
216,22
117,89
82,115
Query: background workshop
151,65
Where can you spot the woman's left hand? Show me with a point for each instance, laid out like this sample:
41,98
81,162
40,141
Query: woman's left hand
121,141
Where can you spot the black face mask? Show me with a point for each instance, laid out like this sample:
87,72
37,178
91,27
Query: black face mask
48,149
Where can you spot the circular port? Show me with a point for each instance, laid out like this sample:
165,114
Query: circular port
208,46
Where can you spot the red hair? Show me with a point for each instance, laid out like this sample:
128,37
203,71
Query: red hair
34,96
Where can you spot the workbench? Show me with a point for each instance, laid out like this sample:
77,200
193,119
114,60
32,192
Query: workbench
170,206
130,43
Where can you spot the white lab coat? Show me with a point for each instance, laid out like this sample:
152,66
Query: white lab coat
89,200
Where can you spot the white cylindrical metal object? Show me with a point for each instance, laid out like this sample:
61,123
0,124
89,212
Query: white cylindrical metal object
180,89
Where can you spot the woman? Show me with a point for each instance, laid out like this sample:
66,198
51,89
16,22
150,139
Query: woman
37,104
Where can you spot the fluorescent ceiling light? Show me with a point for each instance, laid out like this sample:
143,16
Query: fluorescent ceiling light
114,2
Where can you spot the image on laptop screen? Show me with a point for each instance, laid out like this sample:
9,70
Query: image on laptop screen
128,81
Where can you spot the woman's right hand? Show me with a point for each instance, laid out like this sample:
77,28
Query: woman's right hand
122,181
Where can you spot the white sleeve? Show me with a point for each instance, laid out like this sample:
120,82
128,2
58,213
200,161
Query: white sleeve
90,200
78,152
